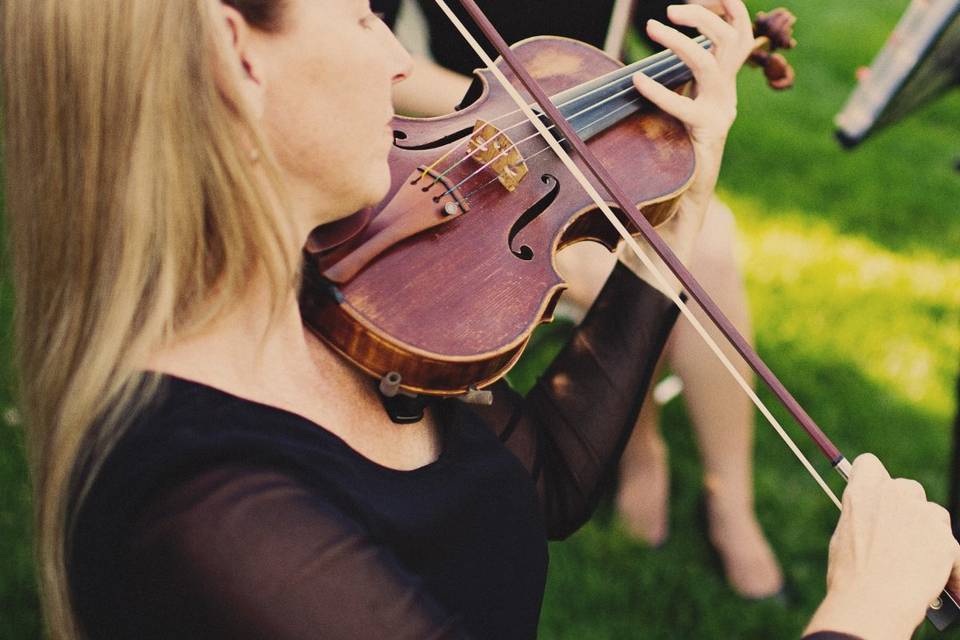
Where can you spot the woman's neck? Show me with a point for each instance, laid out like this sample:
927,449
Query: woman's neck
252,349
273,360
257,345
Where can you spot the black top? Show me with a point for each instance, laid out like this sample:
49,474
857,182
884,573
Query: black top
220,517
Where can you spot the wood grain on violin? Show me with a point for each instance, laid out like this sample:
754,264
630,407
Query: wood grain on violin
415,279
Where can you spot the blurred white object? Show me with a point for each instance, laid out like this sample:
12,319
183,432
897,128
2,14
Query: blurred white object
919,61
11,416
411,29
667,389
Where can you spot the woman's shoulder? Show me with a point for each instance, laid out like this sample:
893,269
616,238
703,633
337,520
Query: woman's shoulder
186,429
188,420
188,423
189,428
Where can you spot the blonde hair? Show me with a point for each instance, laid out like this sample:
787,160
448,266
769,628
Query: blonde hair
134,214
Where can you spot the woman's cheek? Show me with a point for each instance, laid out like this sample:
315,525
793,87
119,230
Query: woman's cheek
378,179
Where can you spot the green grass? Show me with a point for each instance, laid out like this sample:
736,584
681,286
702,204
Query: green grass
852,261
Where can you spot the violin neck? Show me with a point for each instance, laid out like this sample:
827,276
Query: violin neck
596,105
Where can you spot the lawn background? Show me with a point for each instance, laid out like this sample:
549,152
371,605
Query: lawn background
852,261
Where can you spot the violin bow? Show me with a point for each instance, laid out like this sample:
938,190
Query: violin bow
944,610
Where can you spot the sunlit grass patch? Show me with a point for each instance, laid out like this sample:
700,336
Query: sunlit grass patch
868,339
892,315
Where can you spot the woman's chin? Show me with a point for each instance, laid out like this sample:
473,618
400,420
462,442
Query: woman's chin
368,193
378,188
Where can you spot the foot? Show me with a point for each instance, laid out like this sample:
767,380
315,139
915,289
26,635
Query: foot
644,492
749,563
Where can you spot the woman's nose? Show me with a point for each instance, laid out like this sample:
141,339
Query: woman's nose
401,60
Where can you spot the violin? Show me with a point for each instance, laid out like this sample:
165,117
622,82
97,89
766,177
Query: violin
438,289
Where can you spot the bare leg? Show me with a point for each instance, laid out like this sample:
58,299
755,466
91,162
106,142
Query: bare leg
585,266
643,492
723,416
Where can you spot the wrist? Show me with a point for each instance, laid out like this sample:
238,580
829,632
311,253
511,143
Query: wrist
868,612
710,142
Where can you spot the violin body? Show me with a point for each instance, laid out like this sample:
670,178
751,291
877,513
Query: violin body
451,307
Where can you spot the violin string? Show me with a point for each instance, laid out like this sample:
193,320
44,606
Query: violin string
547,148
467,196
662,280
664,56
536,134
667,55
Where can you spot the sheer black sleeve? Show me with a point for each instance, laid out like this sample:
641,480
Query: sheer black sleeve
242,552
570,430
247,551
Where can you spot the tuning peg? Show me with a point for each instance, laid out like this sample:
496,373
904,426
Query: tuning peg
774,30
777,25
777,70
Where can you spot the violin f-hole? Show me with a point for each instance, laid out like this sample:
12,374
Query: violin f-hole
407,144
528,216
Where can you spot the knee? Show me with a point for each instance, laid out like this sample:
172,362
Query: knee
720,219
585,266
715,248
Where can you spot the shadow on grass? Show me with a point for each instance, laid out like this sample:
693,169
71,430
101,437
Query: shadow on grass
899,189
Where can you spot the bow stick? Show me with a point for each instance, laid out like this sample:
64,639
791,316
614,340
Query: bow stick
942,611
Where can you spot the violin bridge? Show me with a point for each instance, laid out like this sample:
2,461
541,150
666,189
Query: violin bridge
456,204
491,147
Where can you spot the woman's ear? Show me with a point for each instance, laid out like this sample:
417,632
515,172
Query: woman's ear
245,67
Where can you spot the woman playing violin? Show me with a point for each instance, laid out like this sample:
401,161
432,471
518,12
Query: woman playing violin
203,466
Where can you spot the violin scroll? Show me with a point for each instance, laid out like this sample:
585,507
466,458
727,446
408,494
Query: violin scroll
774,30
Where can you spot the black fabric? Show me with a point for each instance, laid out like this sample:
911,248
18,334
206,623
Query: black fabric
218,517
954,504
520,19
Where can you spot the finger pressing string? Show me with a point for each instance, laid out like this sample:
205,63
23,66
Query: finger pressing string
663,74
704,21
729,49
652,63
692,55
667,100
